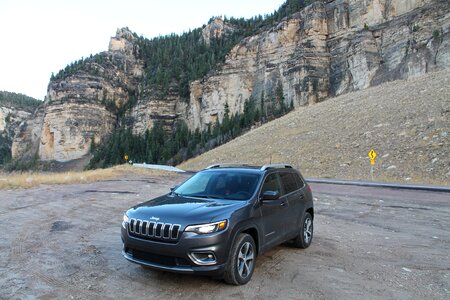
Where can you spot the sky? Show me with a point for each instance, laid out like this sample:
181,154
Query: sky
40,37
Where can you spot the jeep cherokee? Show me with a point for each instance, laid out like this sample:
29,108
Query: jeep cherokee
219,220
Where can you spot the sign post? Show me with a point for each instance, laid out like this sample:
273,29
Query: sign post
372,154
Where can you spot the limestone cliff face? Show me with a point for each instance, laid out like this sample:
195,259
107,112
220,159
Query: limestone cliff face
69,127
80,107
11,119
293,53
26,141
328,49
374,41
150,108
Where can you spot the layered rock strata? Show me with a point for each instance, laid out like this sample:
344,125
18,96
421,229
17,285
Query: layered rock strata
81,107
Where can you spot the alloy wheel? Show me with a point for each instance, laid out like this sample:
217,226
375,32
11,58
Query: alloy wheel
307,230
245,260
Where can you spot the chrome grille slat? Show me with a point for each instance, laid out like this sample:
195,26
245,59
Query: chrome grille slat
140,226
148,226
157,230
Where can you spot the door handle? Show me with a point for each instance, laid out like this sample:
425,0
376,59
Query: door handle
283,203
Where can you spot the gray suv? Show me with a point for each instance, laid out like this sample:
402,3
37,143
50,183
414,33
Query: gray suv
218,221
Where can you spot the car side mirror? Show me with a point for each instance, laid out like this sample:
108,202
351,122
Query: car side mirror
174,188
270,195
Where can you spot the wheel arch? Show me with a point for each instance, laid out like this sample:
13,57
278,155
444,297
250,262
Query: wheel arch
250,229
311,211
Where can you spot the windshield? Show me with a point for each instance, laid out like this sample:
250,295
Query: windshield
220,185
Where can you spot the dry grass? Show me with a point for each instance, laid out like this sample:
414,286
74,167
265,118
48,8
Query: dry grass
28,179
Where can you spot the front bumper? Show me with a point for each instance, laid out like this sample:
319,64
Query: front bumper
174,257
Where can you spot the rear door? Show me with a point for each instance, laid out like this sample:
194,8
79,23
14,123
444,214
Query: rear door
274,212
296,201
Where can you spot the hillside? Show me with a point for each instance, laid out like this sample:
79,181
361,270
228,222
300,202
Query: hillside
406,122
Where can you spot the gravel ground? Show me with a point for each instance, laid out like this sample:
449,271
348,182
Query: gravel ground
63,242
406,122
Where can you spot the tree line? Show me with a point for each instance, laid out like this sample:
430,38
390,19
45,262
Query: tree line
18,101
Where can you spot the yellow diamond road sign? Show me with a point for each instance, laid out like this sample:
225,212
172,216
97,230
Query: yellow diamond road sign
372,154
126,157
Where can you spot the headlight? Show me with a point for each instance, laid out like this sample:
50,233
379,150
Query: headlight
207,228
125,221
125,218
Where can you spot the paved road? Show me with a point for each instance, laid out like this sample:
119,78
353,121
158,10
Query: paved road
63,242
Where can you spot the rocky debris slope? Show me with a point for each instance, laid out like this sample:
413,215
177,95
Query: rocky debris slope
406,122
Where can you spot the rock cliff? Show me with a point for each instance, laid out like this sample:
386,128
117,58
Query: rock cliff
329,48
15,109
82,106
10,120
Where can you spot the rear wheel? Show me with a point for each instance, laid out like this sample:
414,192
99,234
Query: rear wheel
304,237
241,261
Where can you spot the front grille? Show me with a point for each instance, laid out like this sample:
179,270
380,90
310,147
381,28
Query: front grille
154,230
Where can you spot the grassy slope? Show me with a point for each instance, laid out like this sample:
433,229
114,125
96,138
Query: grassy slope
406,122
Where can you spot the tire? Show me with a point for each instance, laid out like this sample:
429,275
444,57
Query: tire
241,262
305,236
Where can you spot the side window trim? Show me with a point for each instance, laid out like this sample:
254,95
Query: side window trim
301,180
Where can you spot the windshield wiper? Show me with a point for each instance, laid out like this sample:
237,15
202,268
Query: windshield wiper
205,196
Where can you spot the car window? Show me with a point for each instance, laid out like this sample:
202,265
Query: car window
223,185
271,184
196,184
289,182
300,182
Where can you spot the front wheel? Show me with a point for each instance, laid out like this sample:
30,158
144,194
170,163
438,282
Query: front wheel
241,261
304,238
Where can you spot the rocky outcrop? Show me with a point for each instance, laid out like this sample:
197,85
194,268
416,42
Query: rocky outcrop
10,118
69,127
152,109
26,141
217,28
81,107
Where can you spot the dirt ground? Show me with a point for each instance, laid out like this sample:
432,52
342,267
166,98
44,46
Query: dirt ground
63,242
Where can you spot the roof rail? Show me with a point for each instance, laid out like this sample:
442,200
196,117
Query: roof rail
265,167
227,165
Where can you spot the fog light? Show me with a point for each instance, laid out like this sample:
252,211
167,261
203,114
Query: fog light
203,258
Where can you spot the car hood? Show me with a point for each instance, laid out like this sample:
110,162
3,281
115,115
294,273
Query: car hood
184,210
